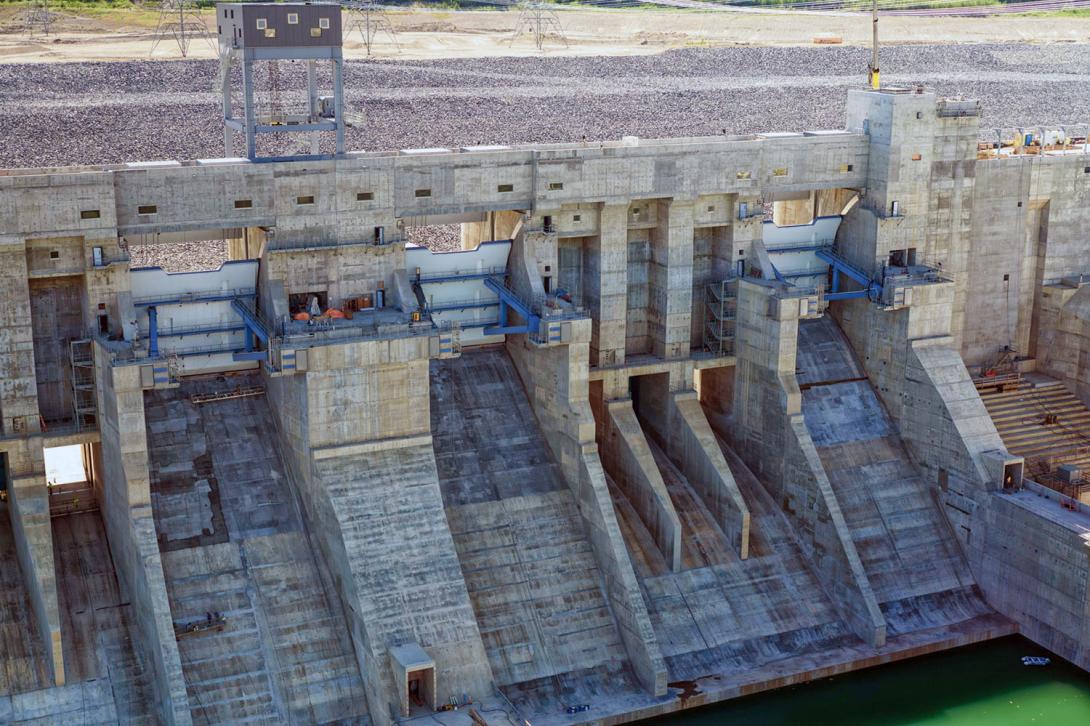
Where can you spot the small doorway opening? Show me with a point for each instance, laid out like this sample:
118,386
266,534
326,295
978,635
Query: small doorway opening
1012,475
415,671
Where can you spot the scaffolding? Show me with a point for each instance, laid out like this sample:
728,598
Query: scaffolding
81,356
720,310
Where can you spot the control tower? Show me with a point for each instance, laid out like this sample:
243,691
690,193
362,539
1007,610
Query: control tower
271,32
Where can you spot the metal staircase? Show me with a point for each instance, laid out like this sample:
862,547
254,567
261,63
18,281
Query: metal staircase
720,309
81,357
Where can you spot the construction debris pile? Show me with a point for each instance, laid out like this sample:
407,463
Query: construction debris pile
89,113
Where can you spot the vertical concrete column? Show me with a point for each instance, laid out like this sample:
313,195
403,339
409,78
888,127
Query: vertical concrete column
33,533
671,279
610,248
19,392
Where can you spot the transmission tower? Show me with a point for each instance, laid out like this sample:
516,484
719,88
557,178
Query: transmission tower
37,17
370,19
539,19
181,19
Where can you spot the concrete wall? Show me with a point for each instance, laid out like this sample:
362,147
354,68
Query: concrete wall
694,447
1018,558
768,432
126,511
633,469
670,408
557,386
1063,343
28,498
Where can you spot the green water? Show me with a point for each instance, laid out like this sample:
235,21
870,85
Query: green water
979,685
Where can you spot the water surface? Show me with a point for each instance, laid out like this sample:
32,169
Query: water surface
978,685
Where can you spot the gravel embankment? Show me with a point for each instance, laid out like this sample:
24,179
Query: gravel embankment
87,113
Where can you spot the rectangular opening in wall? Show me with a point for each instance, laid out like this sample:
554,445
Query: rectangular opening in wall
147,209
743,175
556,186
845,168
312,303
54,254
244,203
192,251
304,200
503,188
780,171
421,193
89,214
364,196
65,465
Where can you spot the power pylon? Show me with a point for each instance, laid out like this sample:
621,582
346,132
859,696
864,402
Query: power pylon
181,19
38,17
539,19
370,19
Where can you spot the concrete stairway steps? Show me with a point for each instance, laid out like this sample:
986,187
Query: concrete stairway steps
1035,404
97,627
534,585
600,687
520,540
1052,437
226,673
895,524
934,610
646,557
283,655
741,657
23,665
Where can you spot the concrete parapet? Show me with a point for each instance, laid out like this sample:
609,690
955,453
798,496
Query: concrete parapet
693,447
556,382
639,478
125,500
768,432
